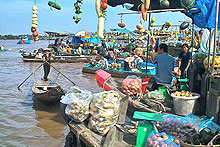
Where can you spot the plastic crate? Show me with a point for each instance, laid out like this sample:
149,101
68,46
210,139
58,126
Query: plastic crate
101,77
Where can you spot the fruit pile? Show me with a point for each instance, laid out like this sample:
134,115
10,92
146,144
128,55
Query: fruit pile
131,85
162,140
177,126
34,23
183,94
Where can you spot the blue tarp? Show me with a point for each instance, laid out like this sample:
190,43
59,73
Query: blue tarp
76,40
93,39
205,16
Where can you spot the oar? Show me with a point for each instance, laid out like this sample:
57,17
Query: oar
29,76
62,74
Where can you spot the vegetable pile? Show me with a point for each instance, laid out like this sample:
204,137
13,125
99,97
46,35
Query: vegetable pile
77,101
162,140
132,85
202,138
34,23
217,62
155,95
104,109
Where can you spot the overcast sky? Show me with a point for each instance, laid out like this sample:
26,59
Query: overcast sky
16,17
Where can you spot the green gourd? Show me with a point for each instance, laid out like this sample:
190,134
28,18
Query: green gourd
164,3
54,5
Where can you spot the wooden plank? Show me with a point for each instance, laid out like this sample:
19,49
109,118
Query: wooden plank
86,135
123,110
110,138
213,104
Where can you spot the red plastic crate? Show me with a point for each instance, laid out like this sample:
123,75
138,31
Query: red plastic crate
101,77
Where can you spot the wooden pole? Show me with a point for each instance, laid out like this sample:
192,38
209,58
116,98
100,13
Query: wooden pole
215,37
209,52
157,11
148,41
29,76
62,74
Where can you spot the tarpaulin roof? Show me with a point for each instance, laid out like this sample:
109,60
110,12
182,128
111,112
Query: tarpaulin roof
205,16
124,30
154,4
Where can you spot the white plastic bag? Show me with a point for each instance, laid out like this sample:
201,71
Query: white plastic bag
77,101
104,109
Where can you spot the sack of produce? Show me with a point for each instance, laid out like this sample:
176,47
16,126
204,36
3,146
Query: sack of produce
177,126
162,140
104,109
77,101
132,85
155,95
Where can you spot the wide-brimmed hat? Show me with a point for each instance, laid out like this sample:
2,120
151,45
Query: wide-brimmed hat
46,49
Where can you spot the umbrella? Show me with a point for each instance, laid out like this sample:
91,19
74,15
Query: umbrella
83,34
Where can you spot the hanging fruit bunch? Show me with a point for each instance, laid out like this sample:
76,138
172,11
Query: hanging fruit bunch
101,10
34,23
54,5
77,6
121,24
140,28
144,7
152,21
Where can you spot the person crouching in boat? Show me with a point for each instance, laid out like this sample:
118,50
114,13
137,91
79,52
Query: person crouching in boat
103,63
47,61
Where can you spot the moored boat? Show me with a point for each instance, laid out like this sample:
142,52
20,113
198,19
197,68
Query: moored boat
47,91
24,41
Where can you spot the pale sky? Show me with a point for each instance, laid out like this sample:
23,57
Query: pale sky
16,17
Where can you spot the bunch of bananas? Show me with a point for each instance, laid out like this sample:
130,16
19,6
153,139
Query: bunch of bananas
77,6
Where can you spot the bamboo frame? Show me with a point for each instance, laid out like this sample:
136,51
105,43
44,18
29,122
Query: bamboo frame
157,11
215,37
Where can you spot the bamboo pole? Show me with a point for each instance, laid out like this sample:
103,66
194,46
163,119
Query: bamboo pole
215,37
209,52
148,41
157,11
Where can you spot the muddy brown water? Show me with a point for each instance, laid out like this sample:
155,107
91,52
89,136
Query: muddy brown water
23,120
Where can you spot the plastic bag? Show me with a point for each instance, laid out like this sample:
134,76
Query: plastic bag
177,126
131,85
208,123
104,109
77,101
156,95
162,140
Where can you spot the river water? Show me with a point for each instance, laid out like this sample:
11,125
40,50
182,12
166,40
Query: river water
24,121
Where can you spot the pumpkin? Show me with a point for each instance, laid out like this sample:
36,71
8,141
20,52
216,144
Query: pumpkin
34,16
34,25
139,26
164,3
33,29
35,12
121,25
184,25
35,34
34,8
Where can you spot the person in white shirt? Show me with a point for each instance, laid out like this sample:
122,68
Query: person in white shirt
127,63
103,63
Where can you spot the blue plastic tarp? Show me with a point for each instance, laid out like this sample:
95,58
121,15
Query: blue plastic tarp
205,16
76,40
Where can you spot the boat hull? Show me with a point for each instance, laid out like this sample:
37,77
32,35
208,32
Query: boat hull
50,96
24,42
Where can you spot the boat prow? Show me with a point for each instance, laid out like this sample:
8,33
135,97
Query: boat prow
47,92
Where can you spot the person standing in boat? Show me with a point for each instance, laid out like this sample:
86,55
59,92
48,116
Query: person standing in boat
46,59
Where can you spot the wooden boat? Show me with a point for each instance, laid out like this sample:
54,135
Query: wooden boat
117,73
61,59
47,91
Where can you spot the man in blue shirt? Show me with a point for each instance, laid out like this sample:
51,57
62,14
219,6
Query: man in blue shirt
165,66
185,58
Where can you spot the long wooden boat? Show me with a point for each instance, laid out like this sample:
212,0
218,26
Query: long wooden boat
117,73
61,59
47,92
